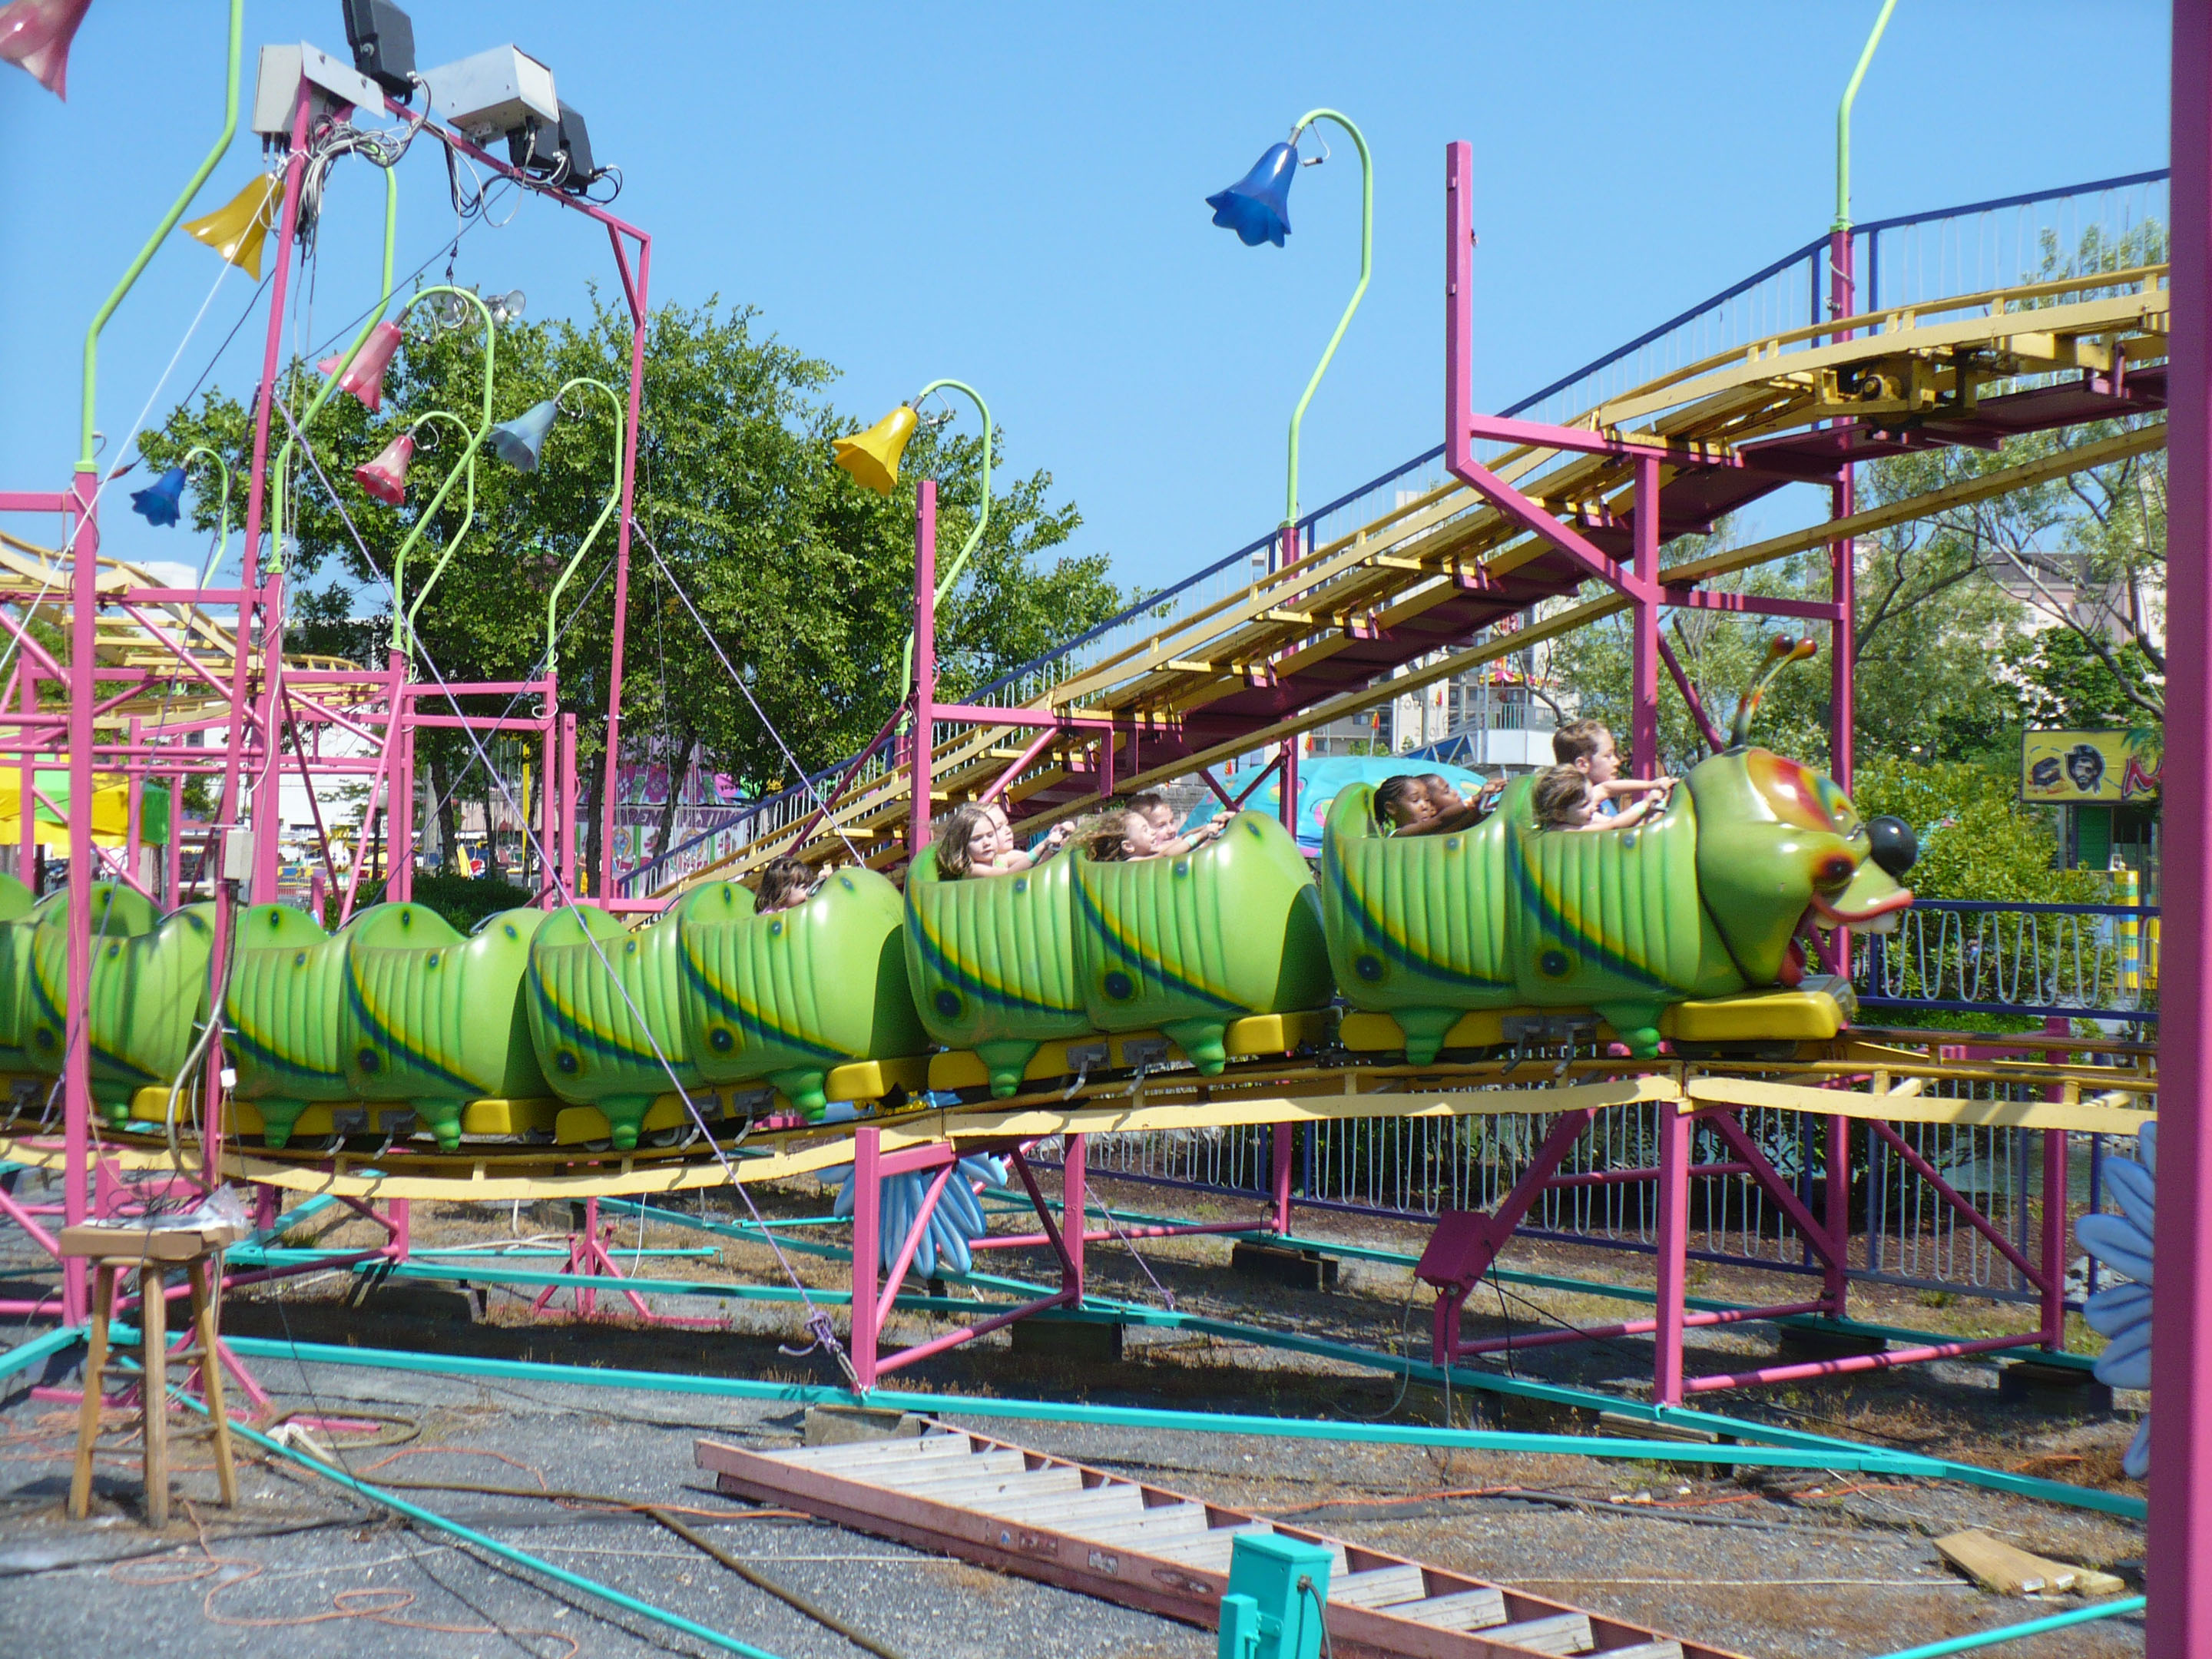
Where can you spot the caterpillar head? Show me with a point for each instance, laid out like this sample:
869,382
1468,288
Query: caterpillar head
1780,847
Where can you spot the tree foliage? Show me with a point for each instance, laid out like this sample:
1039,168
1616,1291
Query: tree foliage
768,597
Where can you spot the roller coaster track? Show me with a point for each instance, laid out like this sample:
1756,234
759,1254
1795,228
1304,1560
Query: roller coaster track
2105,1087
1420,588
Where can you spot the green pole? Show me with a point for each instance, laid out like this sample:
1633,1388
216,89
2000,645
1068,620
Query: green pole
1843,120
331,382
168,223
982,515
476,441
1366,268
614,499
223,511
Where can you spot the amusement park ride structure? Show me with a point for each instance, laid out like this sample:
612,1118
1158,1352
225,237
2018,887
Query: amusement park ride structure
1557,524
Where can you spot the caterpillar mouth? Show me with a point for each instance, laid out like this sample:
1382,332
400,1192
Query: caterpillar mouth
1877,917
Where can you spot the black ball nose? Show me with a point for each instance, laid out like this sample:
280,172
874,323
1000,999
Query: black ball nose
1896,849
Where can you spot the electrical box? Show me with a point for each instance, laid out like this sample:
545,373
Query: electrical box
495,92
383,41
237,853
1277,1600
338,85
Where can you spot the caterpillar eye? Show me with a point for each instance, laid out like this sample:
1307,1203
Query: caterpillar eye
1834,871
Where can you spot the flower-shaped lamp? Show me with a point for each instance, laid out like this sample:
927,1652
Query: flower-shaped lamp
1257,207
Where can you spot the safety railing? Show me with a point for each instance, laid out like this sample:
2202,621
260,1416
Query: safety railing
1910,259
2035,961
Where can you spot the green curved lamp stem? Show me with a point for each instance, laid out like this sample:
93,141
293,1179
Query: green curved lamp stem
1843,120
468,523
399,640
222,512
982,514
614,499
168,223
330,385
1366,268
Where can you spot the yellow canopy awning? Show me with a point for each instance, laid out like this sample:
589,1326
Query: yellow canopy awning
110,808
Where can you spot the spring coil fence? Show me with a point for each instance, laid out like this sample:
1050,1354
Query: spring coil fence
1961,956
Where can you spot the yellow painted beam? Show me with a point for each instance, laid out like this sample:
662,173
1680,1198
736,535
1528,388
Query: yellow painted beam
2087,1117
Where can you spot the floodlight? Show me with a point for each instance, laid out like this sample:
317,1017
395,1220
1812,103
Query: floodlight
495,92
383,41
561,152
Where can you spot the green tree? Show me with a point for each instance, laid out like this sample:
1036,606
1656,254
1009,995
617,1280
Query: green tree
801,579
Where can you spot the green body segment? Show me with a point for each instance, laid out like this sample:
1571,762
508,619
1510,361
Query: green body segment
149,991
1505,915
993,962
287,1021
1186,945
606,1007
18,921
785,998
440,1020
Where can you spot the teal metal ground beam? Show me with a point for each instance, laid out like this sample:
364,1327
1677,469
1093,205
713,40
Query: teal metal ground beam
1990,1639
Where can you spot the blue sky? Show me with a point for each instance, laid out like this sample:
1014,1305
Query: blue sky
1012,195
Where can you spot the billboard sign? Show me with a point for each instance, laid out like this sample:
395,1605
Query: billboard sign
2119,766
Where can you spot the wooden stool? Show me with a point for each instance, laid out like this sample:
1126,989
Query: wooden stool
114,1249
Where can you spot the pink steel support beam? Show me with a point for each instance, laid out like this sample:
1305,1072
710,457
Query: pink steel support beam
2178,1531
2054,1230
1673,1241
1075,1207
1836,1201
1643,667
1517,1341
1285,1150
1466,1242
924,756
1950,1195
635,292
1861,1362
867,1219
1696,704
76,1039
1770,1179
1038,745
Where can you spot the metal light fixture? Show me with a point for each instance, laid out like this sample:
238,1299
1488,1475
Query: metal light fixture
1257,207
158,503
36,35
520,441
507,308
237,229
872,457
385,478
383,41
364,376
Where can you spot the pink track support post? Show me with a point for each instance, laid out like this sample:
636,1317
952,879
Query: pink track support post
634,293
76,1039
1643,667
925,664
867,1220
1673,1247
1836,1203
2055,1230
2178,1531
1285,1150
1074,1209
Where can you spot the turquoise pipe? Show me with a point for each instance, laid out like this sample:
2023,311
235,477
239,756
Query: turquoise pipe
85,458
1864,1460
1990,1639
484,1541
1490,1381
30,1354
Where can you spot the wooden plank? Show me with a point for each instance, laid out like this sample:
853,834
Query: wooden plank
1562,1632
905,1475
1460,1610
875,1454
2004,1570
1160,1523
1177,1577
1379,1587
989,1492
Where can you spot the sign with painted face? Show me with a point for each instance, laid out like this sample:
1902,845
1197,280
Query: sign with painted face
2077,768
